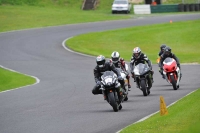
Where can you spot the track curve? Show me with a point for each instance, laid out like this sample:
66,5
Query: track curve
62,101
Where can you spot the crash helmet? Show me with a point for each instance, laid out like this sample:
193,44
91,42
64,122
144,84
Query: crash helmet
115,56
167,50
162,47
101,61
137,52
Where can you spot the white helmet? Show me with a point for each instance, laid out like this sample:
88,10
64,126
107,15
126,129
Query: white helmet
100,60
115,56
136,52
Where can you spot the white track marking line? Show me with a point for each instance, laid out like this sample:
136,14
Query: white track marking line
63,44
37,80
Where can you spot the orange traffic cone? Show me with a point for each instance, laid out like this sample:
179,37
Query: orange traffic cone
163,108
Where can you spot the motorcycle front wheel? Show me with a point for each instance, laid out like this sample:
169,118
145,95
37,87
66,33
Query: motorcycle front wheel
113,102
173,82
144,87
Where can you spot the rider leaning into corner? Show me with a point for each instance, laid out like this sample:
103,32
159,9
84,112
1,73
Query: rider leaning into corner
120,63
139,57
168,53
100,68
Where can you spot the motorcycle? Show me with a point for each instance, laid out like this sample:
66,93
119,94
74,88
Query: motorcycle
171,72
109,84
125,87
143,78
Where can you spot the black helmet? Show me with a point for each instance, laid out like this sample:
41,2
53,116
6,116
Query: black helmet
115,56
137,52
100,61
162,47
167,50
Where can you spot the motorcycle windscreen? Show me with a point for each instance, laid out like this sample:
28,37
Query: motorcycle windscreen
168,60
107,73
140,69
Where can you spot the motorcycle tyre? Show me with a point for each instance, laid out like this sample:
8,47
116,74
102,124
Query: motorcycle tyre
173,82
149,83
112,101
144,88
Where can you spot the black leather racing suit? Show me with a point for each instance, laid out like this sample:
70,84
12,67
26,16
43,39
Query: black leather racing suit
142,59
160,53
98,72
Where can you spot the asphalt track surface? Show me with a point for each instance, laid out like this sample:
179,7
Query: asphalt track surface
63,102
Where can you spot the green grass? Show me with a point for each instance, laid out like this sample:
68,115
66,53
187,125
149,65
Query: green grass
183,117
11,80
182,37
23,16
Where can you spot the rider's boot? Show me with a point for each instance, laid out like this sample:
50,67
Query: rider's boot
129,86
120,94
152,72
104,95
163,76
161,72
137,86
120,106
151,77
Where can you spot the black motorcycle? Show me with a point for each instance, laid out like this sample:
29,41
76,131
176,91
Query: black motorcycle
110,82
143,78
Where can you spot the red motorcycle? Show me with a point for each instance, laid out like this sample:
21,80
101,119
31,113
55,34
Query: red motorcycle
171,72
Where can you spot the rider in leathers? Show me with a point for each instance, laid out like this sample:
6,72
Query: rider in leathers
162,48
101,67
139,57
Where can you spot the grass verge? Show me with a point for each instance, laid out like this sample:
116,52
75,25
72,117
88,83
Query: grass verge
11,80
182,37
22,17
17,17
183,117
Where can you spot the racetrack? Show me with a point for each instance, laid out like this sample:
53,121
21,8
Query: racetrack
63,102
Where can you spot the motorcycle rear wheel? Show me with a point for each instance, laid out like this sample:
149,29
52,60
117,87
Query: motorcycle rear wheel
113,102
173,82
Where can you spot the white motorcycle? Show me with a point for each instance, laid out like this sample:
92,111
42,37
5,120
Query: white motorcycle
143,78
125,87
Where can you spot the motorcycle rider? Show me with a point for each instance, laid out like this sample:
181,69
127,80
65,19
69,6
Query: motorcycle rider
101,67
162,48
168,53
139,57
120,63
